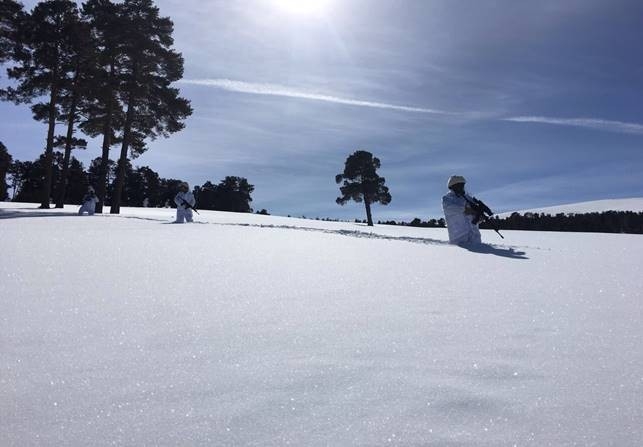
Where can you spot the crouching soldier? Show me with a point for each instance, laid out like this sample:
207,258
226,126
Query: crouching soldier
460,217
89,202
185,201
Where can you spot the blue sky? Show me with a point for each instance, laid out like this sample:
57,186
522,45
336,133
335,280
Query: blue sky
535,103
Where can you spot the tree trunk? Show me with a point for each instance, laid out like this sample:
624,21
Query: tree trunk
122,161
369,218
60,201
49,150
367,204
127,130
101,188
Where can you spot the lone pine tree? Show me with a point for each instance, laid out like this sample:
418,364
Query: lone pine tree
362,183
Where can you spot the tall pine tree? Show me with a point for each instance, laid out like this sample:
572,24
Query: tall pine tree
43,70
153,107
104,112
362,183
73,99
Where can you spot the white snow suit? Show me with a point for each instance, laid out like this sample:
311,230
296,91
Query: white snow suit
462,230
183,211
89,204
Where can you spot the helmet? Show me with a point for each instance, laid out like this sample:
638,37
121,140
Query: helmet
454,180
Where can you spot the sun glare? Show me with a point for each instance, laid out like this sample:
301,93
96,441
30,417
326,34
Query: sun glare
303,7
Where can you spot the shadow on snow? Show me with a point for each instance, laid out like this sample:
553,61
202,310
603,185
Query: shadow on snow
34,212
507,252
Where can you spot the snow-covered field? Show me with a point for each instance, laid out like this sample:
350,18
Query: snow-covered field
247,330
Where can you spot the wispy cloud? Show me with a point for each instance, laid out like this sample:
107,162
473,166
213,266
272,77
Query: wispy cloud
589,123
268,89
279,90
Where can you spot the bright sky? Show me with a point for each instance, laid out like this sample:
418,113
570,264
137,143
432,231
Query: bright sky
535,103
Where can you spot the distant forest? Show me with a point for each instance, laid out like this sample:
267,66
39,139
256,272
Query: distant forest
142,186
605,222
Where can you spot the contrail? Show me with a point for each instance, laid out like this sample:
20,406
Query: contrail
254,88
279,90
589,123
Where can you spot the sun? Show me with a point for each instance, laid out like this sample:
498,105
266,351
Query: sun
308,8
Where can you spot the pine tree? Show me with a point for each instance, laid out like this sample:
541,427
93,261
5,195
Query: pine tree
104,113
362,183
153,107
233,194
74,98
98,175
28,179
43,69
78,183
206,196
143,183
168,190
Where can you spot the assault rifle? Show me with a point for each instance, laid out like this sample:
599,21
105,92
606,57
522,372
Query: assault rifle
187,204
483,213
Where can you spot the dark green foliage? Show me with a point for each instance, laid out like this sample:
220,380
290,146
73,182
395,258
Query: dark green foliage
77,183
101,173
5,164
11,14
27,180
142,188
234,195
168,190
362,183
231,194
206,196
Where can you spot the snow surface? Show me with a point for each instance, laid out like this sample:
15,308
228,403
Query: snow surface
594,206
248,330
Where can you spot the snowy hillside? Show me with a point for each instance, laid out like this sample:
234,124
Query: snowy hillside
595,206
248,330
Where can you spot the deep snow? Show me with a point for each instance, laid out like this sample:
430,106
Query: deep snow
261,330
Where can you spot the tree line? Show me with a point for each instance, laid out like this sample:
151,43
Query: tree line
143,187
604,222
105,70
